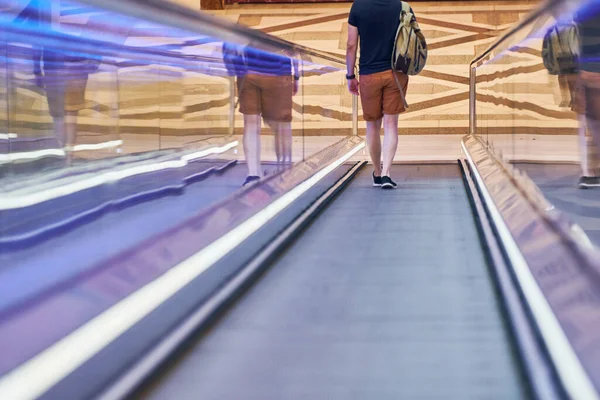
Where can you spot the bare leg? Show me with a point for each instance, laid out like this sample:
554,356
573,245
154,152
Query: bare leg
71,133
593,130
60,131
71,128
286,135
252,126
277,139
374,144
390,142
282,132
593,147
583,146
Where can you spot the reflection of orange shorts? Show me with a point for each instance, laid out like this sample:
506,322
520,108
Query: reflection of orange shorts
379,94
65,91
588,95
270,96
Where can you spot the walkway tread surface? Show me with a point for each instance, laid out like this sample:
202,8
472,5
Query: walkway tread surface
386,295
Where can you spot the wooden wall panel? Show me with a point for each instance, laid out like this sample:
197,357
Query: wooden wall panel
284,1
192,4
212,4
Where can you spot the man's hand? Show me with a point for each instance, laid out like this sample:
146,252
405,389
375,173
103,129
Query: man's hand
295,90
353,86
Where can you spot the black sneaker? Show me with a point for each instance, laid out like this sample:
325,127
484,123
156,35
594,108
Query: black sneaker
587,182
387,183
376,180
250,179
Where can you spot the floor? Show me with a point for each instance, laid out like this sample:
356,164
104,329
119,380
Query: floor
341,317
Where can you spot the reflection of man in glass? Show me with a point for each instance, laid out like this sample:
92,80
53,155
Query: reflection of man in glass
65,82
265,88
588,94
63,75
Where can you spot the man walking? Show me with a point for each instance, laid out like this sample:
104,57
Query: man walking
587,102
375,22
62,74
266,83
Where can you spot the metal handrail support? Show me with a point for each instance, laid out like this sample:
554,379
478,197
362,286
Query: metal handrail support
232,104
472,100
355,115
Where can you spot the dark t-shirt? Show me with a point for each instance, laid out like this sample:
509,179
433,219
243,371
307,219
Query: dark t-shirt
377,22
240,61
588,21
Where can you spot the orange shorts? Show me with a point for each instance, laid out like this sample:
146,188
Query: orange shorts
65,91
268,95
588,95
379,94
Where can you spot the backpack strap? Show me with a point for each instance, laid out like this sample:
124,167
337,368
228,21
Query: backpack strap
405,10
400,89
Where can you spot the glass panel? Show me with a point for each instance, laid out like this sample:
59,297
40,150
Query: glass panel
537,93
117,130
327,103
269,107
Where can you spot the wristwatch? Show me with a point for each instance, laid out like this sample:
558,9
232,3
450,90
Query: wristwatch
353,76
296,78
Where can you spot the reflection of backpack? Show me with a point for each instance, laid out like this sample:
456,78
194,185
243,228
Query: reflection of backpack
560,49
410,49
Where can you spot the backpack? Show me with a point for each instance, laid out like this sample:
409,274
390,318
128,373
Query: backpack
410,48
560,49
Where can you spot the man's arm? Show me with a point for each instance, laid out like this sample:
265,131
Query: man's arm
351,48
